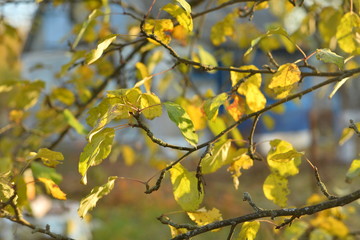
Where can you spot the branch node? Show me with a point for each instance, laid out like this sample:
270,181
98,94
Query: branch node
247,198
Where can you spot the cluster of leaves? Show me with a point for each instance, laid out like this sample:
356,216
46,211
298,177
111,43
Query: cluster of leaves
37,117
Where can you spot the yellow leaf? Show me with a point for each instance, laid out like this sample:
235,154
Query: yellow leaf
222,29
347,133
276,189
283,158
159,28
202,216
150,105
207,59
242,161
185,188
354,170
184,18
348,31
237,108
53,188
287,75
97,53
195,112
177,231
144,75
249,230
332,225
237,76
128,155
254,98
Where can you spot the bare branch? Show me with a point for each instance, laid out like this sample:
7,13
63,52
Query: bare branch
293,212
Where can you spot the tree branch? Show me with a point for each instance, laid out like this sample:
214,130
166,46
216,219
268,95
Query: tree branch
293,212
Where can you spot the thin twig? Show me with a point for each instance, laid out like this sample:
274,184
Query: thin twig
247,198
251,149
320,183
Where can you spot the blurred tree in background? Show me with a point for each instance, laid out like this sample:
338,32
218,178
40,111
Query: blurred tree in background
179,91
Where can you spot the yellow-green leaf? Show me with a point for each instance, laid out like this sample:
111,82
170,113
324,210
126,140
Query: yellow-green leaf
348,31
354,170
63,95
178,115
97,53
327,56
249,230
90,201
185,5
202,216
50,158
53,188
185,188
206,58
181,15
73,122
276,189
217,158
150,105
85,25
328,18
96,151
283,158
254,79
217,126
211,106
268,121
347,133
338,86
41,171
287,75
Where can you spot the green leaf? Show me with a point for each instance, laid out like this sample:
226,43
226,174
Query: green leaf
96,53
211,106
248,230
181,15
96,151
354,170
150,105
327,56
185,188
94,14
348,31
185,5
276,189
90,201
73,122
178,115
41,171
217,158
338,86
283,158
63,95
50,158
